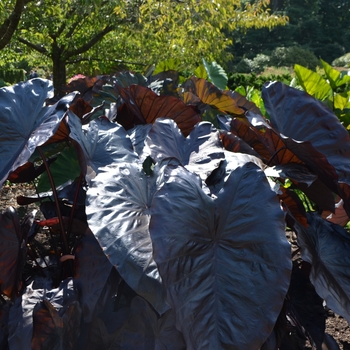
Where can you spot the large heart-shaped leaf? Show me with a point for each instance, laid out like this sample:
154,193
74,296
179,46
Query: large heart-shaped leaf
326,247
335,78
219,260
102,144
201,152
26,122
216,74
118,210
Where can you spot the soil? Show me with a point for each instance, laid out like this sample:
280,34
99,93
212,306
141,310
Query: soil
336,326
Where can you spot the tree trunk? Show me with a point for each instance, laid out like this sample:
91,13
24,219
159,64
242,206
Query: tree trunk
58,69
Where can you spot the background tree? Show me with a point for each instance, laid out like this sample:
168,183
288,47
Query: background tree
320,26
10,15
106,32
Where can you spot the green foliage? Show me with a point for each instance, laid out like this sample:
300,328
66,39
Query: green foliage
94,39
288,56
255,65
12,75
254,80
216,74
333,88
319,26
3,83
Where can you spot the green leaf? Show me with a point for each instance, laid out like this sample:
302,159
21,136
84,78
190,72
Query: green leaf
334,76
313,83
148,166
170,64
200,72
216,74
341,101
65,168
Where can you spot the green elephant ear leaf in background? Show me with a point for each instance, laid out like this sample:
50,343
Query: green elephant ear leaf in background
312,83
216,74
334,76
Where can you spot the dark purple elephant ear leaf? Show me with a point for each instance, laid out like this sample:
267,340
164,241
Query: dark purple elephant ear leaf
92,269
218,261
326,247
26,122
146,330
326,143
11,253
118,211
201,151
304,306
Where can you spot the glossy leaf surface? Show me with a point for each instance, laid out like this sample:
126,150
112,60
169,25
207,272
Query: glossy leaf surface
218,260
118,211
26,122
201,152
102,144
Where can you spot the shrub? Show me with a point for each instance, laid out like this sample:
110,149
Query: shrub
255,65
244,66
342,61
288,56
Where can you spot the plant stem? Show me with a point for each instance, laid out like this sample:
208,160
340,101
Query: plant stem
54,192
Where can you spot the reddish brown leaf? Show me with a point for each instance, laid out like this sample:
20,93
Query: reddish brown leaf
233,143
294,205
28,172
265,141
50,329
142,106
80,107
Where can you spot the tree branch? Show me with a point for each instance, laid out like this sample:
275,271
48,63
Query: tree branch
35,47
90,43
10,25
